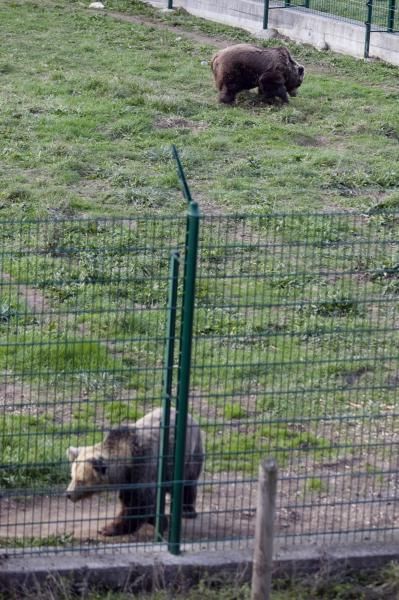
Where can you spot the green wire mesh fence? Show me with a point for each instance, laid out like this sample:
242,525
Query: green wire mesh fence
352,10
83,312
384,12
294,355
376,15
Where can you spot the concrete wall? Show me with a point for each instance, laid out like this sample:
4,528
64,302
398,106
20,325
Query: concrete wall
299,24
130,570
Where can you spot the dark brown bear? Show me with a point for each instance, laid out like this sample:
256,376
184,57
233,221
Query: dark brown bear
129,455
243,67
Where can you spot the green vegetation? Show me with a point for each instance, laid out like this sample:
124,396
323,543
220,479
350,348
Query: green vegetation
382,584
40,542
88,120
231,450
32,448
316,485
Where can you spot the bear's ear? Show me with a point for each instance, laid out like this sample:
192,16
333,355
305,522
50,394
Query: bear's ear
72,453
99,465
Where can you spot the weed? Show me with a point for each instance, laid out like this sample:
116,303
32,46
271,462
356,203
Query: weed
337,307
121,412
233,411
317,485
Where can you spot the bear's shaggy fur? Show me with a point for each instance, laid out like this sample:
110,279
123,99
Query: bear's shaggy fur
244,66
129,455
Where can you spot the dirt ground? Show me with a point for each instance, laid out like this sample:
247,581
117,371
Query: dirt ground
226,513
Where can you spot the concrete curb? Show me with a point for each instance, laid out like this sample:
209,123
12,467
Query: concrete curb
145,571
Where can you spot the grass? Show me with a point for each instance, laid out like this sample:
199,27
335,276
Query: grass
51,541
90,157
371,584
294,349
232,451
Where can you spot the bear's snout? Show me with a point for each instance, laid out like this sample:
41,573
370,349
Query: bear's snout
301,70
75,493
73,496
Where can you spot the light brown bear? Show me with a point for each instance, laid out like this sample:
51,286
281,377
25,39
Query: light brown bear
244,66
129,455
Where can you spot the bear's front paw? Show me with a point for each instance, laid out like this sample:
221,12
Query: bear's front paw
117,528
108,531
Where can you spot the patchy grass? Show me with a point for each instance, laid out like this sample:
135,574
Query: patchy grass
31,448
81,136
41,542
241,450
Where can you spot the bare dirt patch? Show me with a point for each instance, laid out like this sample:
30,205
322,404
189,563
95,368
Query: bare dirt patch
201,38
34,299
17,398
313,142
178,123
55,517
226,507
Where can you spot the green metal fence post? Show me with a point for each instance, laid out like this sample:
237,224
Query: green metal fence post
391,15
307,3
183,385
166,395
170,4
265,14
287,3
182,177
368,28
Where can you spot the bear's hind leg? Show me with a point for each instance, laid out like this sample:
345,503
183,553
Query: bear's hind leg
189,498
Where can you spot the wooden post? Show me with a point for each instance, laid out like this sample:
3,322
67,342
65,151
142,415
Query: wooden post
264,531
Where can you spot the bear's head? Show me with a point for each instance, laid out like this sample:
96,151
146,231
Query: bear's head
88,472
294,77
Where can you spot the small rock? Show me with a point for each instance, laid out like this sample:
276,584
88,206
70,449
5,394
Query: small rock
266,34
204,62
96,5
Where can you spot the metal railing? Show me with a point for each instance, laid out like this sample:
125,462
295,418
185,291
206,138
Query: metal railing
376,15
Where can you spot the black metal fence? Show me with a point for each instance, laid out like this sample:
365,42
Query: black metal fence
294,354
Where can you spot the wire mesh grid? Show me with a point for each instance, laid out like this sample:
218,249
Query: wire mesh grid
384,12
83,310
295,355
